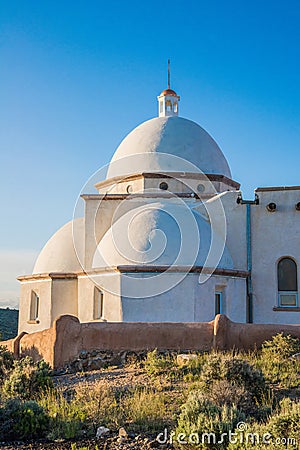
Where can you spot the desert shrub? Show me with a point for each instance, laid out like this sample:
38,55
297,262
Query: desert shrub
67,418
94,404
240,372
6,362
27,379
143,410
190,371
22,420
281,430
286,422
99,402
74,447
223,392
280,347
202,423
236,371
139,408
276,362
155,364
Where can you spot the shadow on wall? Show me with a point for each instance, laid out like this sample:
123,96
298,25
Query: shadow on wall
61,344
33,352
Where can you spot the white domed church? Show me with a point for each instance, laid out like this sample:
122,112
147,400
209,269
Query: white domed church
168,237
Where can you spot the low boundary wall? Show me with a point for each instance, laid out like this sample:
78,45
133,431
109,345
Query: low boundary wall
61,344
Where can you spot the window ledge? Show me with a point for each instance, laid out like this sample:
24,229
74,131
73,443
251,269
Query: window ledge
33,321
284,308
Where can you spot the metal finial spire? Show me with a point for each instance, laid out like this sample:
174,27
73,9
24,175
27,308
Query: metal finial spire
169,75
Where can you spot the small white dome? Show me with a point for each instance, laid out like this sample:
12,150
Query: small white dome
59,254
159,234
182,138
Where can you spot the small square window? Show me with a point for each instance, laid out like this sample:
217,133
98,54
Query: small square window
288,299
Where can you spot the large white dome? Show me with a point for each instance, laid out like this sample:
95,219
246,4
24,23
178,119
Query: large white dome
181,138
59,254
161,234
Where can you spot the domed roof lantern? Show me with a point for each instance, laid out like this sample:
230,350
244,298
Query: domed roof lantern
168,100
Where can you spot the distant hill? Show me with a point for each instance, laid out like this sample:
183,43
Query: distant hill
8,323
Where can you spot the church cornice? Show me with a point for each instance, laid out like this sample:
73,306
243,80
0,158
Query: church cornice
142,195
277,188
47,276
234,273
178,175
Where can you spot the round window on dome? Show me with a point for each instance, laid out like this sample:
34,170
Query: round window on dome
164,186
129,189
200,188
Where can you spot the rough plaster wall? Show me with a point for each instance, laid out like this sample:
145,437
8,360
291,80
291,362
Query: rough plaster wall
98,219
64,298
40,345
236,229
188,301
274,235
43,288
112,307
67,338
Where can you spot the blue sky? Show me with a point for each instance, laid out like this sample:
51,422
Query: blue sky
77,76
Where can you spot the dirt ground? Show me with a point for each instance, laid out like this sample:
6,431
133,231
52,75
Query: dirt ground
114,377
110,443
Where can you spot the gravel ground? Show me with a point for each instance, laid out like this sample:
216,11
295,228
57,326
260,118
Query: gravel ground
115,377
141,442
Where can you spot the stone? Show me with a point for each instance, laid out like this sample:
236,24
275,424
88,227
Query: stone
95,364
123,433
83,354
102,431
184,359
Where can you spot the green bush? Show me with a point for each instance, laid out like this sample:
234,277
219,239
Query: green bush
155,364
282,430
280,347
27,379
22,420
200,417
6,362
286,422
276,362
67,418
236,371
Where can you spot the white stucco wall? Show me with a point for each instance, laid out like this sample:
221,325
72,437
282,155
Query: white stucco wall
43,289
64,297
110,286
274,235
189,301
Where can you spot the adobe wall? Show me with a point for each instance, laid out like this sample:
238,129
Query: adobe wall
247,336
63,343
39,345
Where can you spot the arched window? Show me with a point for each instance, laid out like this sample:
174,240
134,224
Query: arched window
34,306
169,105
98,304
287,283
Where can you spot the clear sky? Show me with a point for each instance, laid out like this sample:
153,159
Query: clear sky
76,76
